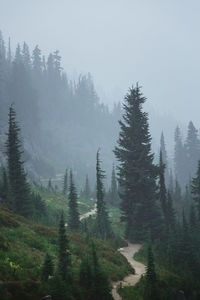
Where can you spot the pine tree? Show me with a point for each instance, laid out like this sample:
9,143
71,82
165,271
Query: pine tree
74,222
137,173
192,146
180,159
170,213
17,178
101,286
113,193
4,185
48,267
151,292
164,158
162,187
102,220
64,259
65,183
86,276
195,189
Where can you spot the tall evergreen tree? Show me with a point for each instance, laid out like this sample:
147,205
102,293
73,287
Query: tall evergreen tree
65,182
137,173
4,189
74,222
164,158
180,159
151,292
101,286
195,189
102,220
162,187
192,146
17,178
113,193
64,258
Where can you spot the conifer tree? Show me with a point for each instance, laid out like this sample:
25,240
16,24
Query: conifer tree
192,146
195,189
74,222
180,159
164,158
64,259
162,187
65,183
4,184
151,292
137,173
17,178
101,286
170,213
49,185
113,193
86,276
48,267
102,220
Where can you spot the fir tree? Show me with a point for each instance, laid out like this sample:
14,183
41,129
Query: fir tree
17,178
49,185
86,276
162,187
64,259
4,185
192,146
48,267
65,183
102,220
137,173
180,159
151,292
164,158
74,222
170,213
195,189
113,193
101,286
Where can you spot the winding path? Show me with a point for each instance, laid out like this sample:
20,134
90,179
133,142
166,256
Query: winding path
131,279
128,252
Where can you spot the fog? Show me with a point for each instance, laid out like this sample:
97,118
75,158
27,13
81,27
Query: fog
119,42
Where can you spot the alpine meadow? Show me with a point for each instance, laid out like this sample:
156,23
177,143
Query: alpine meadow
99,171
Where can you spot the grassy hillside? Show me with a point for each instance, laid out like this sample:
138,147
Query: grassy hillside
23,245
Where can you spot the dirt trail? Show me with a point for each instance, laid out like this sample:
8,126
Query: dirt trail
131,279
89,213
127,252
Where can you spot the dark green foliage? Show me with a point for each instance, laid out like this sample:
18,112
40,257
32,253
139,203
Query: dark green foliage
4,187
64,258
86,277
195,189
137,173
162,187
101,286
180,159
165,159
65,183
150,292
192,146
48,267
20,189
113,196
73,222
49,185
103,226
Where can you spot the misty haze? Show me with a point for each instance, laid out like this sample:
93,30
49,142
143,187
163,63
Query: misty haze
99,150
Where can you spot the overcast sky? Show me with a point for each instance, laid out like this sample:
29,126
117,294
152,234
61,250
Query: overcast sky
155,42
